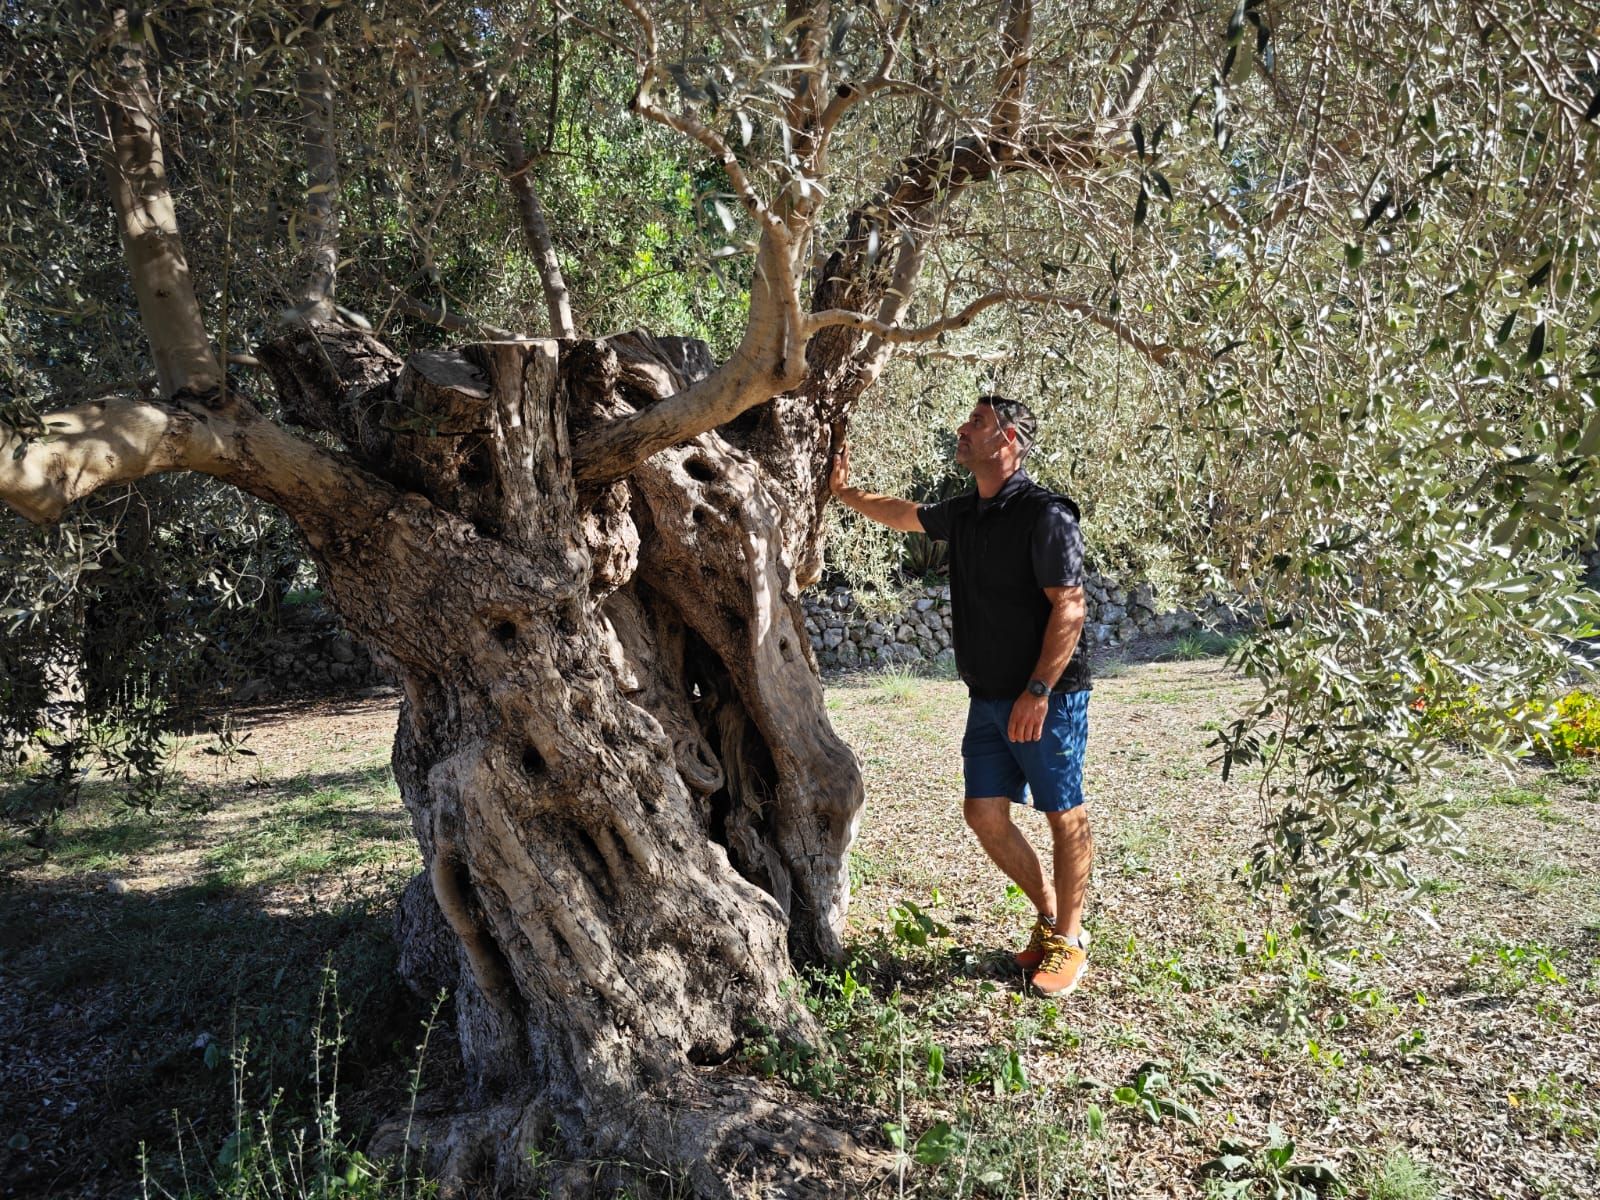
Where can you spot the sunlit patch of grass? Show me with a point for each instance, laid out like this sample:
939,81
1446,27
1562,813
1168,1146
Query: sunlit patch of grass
317,832
1134,846
1540,878
1517,798
896,685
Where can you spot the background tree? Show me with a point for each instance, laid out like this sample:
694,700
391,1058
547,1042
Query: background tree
1289,246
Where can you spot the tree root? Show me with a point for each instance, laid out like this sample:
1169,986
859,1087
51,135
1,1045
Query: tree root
704,1134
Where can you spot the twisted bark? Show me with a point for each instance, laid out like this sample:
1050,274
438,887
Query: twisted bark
619,865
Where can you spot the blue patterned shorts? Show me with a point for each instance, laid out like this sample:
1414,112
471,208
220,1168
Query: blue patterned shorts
1051,768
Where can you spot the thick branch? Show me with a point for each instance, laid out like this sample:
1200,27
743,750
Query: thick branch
319,255
615,449
1119,109
106,442
1016,49
137,176
530,212
94,445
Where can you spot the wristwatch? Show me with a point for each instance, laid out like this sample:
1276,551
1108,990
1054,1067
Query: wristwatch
1038,687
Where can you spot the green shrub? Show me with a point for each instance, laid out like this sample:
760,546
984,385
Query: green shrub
1574,726
1563,730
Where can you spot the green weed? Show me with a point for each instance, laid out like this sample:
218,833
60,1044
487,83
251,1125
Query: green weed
1400,1177
1202,643
894,685
1518,798
1540,878
1149,1093
267,1155
1242,1171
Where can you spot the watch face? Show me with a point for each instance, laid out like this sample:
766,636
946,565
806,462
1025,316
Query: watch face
1037,687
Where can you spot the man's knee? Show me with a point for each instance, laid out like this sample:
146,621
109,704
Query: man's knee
987,815
1070,824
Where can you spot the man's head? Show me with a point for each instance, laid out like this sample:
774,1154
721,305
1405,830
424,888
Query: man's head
996,436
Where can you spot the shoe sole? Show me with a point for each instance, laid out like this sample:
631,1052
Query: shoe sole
1066,990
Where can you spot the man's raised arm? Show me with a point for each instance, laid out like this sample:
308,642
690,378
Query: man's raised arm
886,510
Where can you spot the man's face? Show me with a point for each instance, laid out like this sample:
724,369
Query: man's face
980,440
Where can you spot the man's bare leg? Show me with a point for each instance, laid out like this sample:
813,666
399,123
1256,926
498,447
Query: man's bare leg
1072,849
990,818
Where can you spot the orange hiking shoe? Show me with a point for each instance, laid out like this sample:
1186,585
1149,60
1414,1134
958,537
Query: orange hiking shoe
1031,955
1064,964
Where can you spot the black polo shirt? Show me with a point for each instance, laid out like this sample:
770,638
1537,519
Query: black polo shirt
1003,552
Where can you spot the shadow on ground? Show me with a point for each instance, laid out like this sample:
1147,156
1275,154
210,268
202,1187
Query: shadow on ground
124,1012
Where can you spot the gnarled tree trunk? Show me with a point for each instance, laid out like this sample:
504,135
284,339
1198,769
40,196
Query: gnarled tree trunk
613,746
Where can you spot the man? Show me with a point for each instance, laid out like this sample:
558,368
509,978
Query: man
1016,585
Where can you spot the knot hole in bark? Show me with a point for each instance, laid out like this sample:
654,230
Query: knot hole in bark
699,469
504,632
532,761
477,470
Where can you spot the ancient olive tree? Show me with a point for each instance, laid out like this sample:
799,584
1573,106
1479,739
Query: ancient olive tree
582,556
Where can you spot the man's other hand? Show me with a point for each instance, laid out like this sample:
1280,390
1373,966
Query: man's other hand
1027,718
839,476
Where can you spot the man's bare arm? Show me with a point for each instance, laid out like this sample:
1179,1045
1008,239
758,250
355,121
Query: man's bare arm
886,510
1061,635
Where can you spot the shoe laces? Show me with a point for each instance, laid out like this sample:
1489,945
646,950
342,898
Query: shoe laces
1057,952
1039,939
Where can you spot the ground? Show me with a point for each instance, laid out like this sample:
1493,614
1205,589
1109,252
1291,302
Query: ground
1453,1051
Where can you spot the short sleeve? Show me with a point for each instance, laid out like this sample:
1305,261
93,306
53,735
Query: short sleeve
936,519
1058,547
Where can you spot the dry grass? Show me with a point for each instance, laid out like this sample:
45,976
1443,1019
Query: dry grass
1466,1054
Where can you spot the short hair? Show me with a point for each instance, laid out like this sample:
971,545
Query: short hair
1014,414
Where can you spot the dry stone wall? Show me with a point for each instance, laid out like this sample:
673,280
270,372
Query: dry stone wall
845,633
308,654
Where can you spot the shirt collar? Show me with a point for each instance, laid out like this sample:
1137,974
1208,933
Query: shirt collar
1019,479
